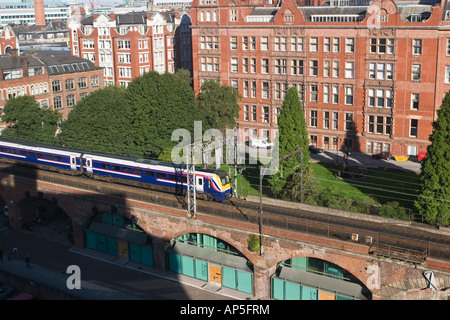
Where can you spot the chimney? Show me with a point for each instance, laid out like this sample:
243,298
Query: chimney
24,62
39,12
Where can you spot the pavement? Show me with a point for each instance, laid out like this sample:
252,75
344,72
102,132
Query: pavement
363,160
102,277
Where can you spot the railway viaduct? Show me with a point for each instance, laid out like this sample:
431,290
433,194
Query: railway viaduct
164,219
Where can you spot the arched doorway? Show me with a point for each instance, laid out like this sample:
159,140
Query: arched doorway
212,260
307,278
118,236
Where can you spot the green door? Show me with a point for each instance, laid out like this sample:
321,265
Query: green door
147,256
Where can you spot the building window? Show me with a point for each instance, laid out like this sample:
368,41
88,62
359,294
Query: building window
246,112
57,102
326,68
349,95
70,99
95,81
447,74
335,121
254,115
245,93
314,68
414,101
313,118
297,67
382,45
234,65
82,82
252,43
326,44
280,66
123,44
296,44
313,93
245,43
413,127
313,44
70,85
253,89
335,91
326,94
379,124
448,46
253,65
265,66
335,69
265,90
326,120
56,86
265,114
381,71
349,121
233,43
245,65
349,69
417,47
415,72
264,43
349,45
336,44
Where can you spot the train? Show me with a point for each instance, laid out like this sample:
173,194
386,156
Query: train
158,175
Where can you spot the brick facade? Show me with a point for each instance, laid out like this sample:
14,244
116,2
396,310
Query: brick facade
371,75
128,45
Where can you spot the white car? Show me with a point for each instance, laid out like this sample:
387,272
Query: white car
260,143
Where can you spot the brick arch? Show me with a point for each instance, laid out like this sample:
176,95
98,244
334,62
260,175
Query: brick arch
335,259
244,251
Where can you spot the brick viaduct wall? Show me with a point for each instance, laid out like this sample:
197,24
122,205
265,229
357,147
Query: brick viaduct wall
386,279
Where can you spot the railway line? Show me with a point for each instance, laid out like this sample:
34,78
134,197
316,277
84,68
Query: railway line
413,243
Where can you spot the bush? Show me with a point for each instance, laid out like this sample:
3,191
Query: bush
253,244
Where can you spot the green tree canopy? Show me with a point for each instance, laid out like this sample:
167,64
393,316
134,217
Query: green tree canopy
434,196
160,103
28,121
218,105
292,135
100,122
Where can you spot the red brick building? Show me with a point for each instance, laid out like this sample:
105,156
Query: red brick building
8,40
127,45
56,81
372,75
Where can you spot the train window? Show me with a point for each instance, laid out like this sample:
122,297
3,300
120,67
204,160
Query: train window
149,173
200,181
32,154
127,170
172,177
40,155
160,175
74,160
48,157
57,158
115,168
23,152
138,171
105,166
8,150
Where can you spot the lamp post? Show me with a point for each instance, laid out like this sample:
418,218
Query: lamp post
336,139
261,176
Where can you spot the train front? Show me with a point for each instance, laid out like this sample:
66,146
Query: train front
224,184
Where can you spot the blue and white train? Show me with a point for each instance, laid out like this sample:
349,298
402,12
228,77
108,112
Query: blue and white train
214,184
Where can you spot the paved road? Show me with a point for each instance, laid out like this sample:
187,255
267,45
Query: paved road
359,159
101,277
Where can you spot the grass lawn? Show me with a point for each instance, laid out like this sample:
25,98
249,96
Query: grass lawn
377,185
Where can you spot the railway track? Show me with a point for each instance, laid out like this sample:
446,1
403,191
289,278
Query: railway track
400,241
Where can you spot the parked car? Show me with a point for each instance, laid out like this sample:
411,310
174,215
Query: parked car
260,143
386,155
314,149
422,155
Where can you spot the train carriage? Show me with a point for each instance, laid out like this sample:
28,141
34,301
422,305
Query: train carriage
214,183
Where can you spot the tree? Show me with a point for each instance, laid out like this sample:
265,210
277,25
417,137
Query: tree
218,106
28,121
434,194
160,103
100,122
292,135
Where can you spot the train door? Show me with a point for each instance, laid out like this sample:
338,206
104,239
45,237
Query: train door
73,162
199,184
89,164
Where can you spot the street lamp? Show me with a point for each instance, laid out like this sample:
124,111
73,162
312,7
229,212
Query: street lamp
261,175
